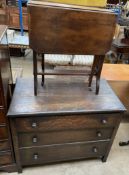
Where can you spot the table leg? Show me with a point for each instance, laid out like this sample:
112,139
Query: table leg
93,71
99,66
42,83
96,70
35,71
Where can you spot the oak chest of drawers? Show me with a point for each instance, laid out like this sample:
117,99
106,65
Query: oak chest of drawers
7,162
64,122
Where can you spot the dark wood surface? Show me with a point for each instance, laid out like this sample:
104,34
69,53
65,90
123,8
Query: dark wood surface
6,151
59,96
64,136
57,153
64,122
54,123
4,145
69,29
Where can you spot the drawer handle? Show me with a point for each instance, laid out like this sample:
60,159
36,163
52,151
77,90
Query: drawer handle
104,121
95,150
34,125
99,134
35,156
34,139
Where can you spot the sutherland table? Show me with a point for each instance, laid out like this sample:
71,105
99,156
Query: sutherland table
64,122
56,28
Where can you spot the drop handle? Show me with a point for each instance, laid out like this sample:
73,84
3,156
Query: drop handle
34,125
95,150
34,139
35,156
99,134
104,121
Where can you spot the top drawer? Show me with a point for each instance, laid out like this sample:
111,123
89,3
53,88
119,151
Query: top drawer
52,123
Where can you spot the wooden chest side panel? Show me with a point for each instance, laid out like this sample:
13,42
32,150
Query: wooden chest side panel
2,116
3,132
4,145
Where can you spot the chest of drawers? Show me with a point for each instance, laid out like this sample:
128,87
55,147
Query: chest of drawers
64,122
7,162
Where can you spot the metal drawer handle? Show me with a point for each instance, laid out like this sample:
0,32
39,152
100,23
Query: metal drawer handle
104,121
95,150
34,125
34,139
35,156
99,134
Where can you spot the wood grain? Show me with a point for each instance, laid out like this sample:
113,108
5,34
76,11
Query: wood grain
69,30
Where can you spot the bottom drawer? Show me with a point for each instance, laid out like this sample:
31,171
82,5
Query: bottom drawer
55,153
5,158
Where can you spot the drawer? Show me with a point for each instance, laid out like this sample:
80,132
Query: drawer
65,122
2,116
55,153
5,158
59,137
3,132
4,145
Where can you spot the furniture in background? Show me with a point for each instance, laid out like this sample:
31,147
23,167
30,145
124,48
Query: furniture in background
118,78
13,15
120,45
69,29
62,124
7,161
3,11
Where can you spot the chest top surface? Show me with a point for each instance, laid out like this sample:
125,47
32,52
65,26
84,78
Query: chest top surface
62,97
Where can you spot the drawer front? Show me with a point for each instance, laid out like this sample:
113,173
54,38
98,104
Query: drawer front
64,152
65,122
4,145
5,158
2,116
59,137
3,132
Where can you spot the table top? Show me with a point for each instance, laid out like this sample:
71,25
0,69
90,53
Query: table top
115,72
59,97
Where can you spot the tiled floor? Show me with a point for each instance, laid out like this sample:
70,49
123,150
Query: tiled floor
118,160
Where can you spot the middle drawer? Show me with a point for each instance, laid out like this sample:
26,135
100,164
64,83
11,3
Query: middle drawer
60,137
